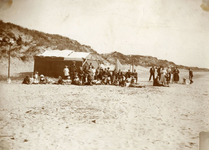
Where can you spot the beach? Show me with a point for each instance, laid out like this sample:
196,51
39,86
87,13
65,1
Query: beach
104,117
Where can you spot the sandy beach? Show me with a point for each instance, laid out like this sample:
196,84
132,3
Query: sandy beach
101,117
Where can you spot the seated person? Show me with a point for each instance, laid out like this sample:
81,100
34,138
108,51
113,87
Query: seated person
60,80
156,82
42,79
77,80
26,80
135,74
36,81
123,81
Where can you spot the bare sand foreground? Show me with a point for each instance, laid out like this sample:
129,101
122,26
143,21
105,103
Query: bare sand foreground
48,117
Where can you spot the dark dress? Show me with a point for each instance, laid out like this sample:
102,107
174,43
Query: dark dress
176,75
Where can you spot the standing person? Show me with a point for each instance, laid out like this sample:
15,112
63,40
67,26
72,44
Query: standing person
176,75
109,76
119,74
158,72
94,72
114,75
190,76
128,74
162,75
135,74
81,75
90,76
66,72
152,73
168,75
97,73
73,71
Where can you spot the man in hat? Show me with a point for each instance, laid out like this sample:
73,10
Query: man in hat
152,73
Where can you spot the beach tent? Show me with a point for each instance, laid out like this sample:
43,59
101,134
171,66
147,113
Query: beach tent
118,66
52,62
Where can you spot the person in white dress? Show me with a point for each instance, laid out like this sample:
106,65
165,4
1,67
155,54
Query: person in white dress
66,72
163,73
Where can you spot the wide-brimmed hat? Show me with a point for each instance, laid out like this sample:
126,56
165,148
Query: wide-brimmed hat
41,75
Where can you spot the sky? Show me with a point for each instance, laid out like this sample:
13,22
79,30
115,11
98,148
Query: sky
175,30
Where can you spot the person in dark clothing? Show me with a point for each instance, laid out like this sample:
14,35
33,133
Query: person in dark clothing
176,75
26,80
97,73
114,76
135,74
73,71
190,76
158,72
152,73
119,74
156,82
60,80
128,74
81,75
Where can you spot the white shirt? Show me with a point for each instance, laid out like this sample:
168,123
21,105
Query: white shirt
66,72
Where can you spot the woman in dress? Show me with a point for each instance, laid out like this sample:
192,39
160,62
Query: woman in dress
162,75
176,75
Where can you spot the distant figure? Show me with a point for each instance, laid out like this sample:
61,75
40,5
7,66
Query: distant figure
156,82
152,73
42,79
158,72
66,72
128,74
163,73
135,74
176,75
91,66
190,76
114,76
168,75
26,80
60,80
97,73
73,71
94,72
81,75
36,81
77,80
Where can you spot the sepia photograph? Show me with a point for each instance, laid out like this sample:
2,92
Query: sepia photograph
104,75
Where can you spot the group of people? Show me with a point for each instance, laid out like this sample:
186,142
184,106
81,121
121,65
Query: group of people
88,75
36,79
163,76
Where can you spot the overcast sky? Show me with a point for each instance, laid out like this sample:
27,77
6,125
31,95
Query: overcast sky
176,30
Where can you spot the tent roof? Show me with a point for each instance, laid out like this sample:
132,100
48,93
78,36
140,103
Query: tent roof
77,56
66,54
56,53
